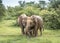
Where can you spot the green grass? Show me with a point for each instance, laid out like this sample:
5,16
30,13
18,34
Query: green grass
11,34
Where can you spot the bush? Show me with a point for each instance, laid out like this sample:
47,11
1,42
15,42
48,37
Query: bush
29,11
50,19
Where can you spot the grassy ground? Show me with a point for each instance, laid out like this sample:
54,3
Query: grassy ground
11,34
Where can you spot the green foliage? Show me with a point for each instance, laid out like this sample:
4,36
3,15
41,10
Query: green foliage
54,3
10,13
0,1
2,10
51,19
29,11
42,4
22,3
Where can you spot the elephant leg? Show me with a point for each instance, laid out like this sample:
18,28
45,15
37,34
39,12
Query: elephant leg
36,29
35,32
22,30
28,34
40,31
32,33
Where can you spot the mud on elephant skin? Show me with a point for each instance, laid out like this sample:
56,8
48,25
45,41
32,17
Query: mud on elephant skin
22,22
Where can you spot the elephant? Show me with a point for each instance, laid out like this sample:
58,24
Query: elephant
34,23
22,22
38,25
30,24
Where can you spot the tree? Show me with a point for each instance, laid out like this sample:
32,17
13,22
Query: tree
54,3
22,3
42,4
2,9
31,3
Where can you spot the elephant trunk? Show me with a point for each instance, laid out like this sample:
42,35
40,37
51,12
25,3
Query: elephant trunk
26,29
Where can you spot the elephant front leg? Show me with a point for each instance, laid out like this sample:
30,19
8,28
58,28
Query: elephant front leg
35,33
22,30
40,32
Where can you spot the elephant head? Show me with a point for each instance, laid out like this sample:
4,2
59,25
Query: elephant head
21,19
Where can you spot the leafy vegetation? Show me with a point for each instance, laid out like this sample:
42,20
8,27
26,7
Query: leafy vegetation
2,10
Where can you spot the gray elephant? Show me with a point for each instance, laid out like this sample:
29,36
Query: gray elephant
38,25
22,22
34,23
